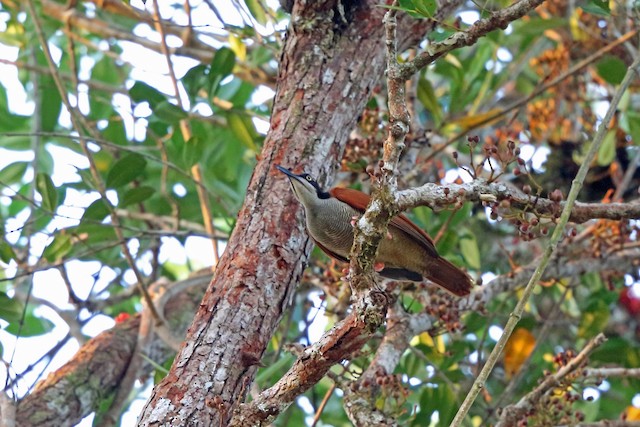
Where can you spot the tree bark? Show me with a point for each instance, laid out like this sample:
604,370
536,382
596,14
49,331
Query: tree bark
332,59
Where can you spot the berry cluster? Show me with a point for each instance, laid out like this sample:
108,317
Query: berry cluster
496,157
391,392
445,308
530,223
556,406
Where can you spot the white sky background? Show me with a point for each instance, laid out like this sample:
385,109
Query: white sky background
150,67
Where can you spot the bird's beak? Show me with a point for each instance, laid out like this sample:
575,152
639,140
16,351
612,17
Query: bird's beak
287,172
298,185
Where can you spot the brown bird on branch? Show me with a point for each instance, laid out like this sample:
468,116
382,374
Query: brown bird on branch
407,253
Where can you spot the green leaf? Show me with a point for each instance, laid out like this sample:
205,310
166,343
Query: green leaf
475,66
10,308
408,6
618,351
126,170
461,216
141,92
470,251
115,131
51,103
242,129
537,26
32,326
594,319
6,253
58,248
192,151
257,10
611,69
47,191
597,7
13,173
194,80
633,119
221,66
428,98
96,211
136,195
426,8
45,160
170,113
105,71
607,151
439,398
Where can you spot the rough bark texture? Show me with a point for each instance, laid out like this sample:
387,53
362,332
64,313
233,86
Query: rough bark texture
82,384
333,57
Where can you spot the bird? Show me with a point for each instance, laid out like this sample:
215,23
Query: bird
406,253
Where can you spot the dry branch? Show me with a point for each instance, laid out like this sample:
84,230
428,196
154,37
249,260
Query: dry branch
360,396
192,48
438,196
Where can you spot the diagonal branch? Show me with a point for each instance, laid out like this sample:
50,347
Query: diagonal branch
338,344
481,28
360,396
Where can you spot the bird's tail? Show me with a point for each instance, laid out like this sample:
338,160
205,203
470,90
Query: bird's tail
450,277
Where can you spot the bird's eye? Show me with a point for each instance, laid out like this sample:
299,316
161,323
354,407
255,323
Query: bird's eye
309,178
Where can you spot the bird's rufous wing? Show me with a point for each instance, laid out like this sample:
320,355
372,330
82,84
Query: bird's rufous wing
359,201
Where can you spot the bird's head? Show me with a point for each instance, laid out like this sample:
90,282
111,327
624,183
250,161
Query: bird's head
305,187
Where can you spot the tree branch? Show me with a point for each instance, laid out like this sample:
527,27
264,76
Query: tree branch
338,344
497,20
438,196
192,48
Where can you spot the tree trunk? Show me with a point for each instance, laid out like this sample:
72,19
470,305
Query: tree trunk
332,59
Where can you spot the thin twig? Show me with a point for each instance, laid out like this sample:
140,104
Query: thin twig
541,338
612,372
323,404
499,19
7,411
